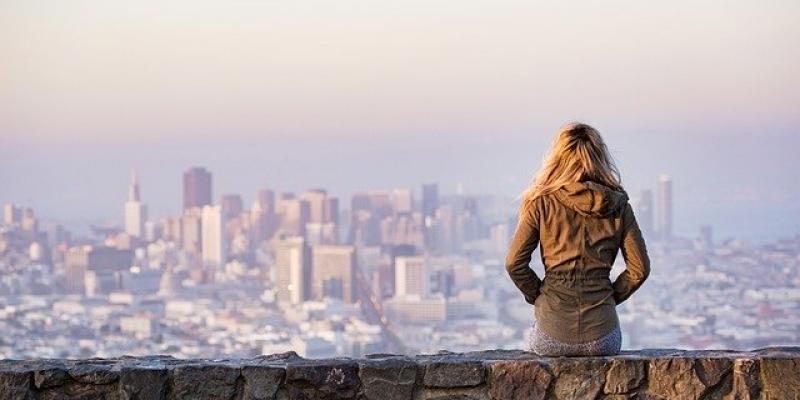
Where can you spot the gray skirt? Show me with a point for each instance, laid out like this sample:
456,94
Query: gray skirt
544,345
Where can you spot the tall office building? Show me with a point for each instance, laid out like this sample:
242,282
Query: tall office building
191,230
135,211
644,212
323,211
266,199
231,206
213,236
292,270
11,214
430,199
430,203
294,215
664,207
402,200
410,276
316,204
262,216
333,271
332,210
196,188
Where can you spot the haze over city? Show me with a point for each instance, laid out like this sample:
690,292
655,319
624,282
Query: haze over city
355,95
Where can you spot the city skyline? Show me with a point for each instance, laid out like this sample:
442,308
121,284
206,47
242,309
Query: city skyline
322,207
297,271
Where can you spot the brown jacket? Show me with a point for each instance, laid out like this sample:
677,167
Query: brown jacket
580,228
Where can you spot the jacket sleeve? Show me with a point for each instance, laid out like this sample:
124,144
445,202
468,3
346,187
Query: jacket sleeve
637,262
524,242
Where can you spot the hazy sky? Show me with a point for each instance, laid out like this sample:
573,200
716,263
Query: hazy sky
378,94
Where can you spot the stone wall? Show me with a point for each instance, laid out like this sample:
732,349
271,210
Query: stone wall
772,373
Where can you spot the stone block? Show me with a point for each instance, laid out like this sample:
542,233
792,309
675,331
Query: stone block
322,379
204,382
388,379
261,382
453,372
509,380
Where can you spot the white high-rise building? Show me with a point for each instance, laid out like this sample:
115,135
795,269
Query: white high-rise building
292,270
135,211
213,236
664,206
410,276
402,200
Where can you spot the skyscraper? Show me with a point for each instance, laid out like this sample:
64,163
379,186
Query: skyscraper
402,200
665,207
292,270
191,230
332,210
262,216
135,211
294,214
266,199
410,276
231,206
323,211
430,199
430,203
196,188
213,234
11,214
316,204
333,272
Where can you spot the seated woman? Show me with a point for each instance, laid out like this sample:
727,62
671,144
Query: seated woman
578,213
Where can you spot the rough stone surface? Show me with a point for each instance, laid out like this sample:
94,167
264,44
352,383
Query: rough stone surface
664,374
140,383
202,382
519,380
388,379
323,379
691,378
579,379
780,378
745,384
50,377
261,382
625,376
451,373
14,384
93,374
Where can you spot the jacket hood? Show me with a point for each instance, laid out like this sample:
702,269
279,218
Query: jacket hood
592,198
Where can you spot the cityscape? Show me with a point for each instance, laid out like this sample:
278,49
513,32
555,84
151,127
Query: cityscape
401,270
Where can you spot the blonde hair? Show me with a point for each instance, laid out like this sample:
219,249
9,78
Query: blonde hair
578,154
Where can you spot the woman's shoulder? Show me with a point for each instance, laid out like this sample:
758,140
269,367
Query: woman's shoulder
539,204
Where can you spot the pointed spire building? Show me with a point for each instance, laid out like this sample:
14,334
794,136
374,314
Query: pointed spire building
135,211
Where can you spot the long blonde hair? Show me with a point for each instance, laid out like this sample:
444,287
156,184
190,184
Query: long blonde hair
578,154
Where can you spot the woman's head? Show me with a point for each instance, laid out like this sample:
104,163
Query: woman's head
578,154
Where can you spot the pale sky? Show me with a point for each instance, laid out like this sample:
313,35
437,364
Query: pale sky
378,94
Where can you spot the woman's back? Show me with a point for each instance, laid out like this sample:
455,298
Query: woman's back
580,226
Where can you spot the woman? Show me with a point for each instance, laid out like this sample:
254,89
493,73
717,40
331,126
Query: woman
578,212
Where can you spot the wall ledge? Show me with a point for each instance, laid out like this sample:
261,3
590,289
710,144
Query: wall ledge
768,373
